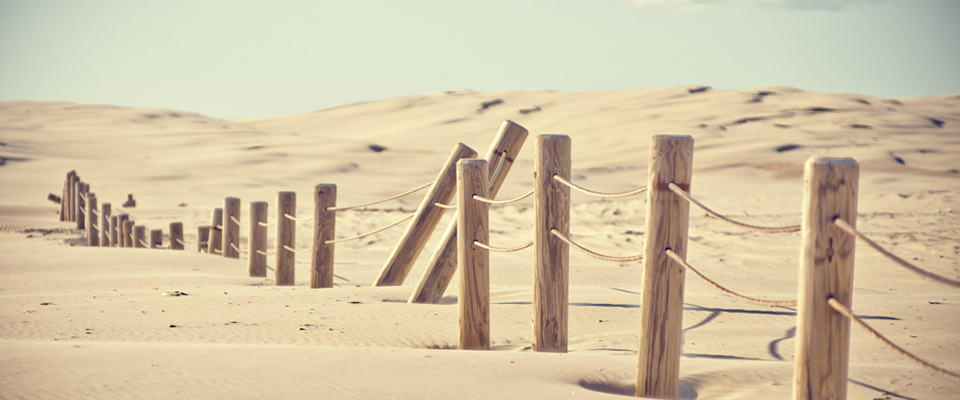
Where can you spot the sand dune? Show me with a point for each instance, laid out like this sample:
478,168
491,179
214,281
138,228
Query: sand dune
92,322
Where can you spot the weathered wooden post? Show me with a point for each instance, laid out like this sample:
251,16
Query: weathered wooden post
128,225
286,238
325,221
443,263
661,310
71,196
257,246
215,241
93,234
425,220
231,227
114,230
203,238
156,238
105,210
176,236
551,256
140,236
472,217
81,197
67,196
826,271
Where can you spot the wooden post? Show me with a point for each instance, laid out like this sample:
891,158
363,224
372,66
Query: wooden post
551,256
661,309
826,271
215,241
93,234
71,196
425,220
443,264
231,229
286,236
81,194
66,197
156,238
257,246
122,230
105,210
203,238
128,232
325,221
176,236
139,236
114,229
472,216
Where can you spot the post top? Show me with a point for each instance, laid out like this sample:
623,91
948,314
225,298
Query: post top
673,137
258,202
320,185
472,161
819,160
553,136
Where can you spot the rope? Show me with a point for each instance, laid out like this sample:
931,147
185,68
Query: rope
181,242
445,206
235,247
844,226
782,303
492,201
496,173
604,257
265,224
96,212
414,190
843,310
503,249
266,253
235,220
290,217
288,248
217,227
582,189
686,196
217,251
144,243
373,232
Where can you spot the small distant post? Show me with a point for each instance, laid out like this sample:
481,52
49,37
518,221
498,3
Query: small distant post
128,232
216,232
661,309
474,261
203,238
826,271
156,238
81,194
257,247
551,256
105,210
321,264
286,236
114,228
71,196
139,236
231,227
176,236
93,234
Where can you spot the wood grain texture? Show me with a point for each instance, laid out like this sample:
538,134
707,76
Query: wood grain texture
257,240
551,257
93,234
325,222
443,263
215,241
231,230
661,310
826,270
472,216
425,220
286,236
176,236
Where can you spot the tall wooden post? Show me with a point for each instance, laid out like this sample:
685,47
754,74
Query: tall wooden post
551,256
93,234
67,196
114,230
203,238
257,246
105,211
661,310
121,231
128,225
139,236
156,238
215,241
472,216
231,229
443,263
81,195
71,196
325,221
826,271
286,236
176,236
425,220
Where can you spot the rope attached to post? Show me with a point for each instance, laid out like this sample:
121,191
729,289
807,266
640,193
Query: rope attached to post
291,249
844,226
843,310
584,190
502,249
496,173
373,232
266,253
780,303
411,191
235,220
492,201
266,224
686,196
445,206
585,250
235,247
292,218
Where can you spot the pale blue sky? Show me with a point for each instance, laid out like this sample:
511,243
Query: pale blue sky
236,58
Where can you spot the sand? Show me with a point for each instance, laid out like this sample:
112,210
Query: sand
89,322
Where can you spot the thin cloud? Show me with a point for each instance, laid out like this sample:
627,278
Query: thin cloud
695,5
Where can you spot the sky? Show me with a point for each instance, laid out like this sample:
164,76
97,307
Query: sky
251,59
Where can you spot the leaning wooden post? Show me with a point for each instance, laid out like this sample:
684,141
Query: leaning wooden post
826,271
140,236
257,243
203,238
231,227
424,221
661,309
105,210
128,225
81,204
156,238
176,236
472,216
93,234
443,263
325,221
114,229
216,232
551,256
286,237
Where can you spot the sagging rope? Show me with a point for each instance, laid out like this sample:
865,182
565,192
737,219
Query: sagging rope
266,224
235,247
235,220
686,196
843,310
506,201
292,218
585,250
266,253
373,232
445,206
291,249
781,303
502,249
844,226
411,191
584,190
